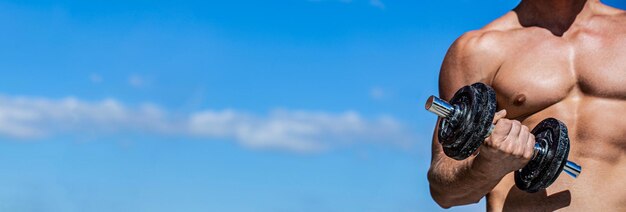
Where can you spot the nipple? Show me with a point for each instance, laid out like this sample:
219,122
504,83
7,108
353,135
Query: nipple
519,100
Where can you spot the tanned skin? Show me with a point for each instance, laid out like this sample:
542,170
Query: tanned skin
546,58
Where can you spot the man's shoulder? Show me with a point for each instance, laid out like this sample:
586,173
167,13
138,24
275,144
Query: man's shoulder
491,39
480,40
477,54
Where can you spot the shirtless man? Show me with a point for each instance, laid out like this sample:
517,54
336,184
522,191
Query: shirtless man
546,58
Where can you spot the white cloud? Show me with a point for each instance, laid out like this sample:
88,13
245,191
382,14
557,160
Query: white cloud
377,3
137,81
95,78
377,93
298,131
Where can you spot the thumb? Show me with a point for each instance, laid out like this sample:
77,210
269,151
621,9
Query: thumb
499,115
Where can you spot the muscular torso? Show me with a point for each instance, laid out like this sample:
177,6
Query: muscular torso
580,79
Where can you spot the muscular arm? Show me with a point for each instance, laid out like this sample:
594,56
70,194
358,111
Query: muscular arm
472,58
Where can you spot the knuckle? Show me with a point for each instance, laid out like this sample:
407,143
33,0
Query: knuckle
506,126
496,142
518,152
512,149
506,138
525,128
500,146
492,141
529,150
520,156
530,142
528,155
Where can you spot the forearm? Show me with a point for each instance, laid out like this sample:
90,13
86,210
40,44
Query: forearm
462,183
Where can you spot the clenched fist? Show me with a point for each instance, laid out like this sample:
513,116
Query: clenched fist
509,147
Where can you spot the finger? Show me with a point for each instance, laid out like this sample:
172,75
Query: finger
500,114
512,137
500,133
522,141
518,127
503,127
530,147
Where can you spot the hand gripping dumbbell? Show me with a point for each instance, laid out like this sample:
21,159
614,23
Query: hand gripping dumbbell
467,121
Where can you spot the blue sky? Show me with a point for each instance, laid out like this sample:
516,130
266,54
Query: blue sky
299,105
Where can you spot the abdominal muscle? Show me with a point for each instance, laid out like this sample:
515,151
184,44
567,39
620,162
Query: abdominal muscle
597,139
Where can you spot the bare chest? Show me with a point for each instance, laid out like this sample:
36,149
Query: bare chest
540,72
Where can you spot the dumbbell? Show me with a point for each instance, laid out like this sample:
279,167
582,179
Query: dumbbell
467,121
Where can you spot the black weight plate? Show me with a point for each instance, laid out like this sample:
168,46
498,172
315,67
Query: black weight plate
482,119
453,130
463,133
543,170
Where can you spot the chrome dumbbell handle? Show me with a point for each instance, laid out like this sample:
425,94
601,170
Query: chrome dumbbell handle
444,109
439,106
